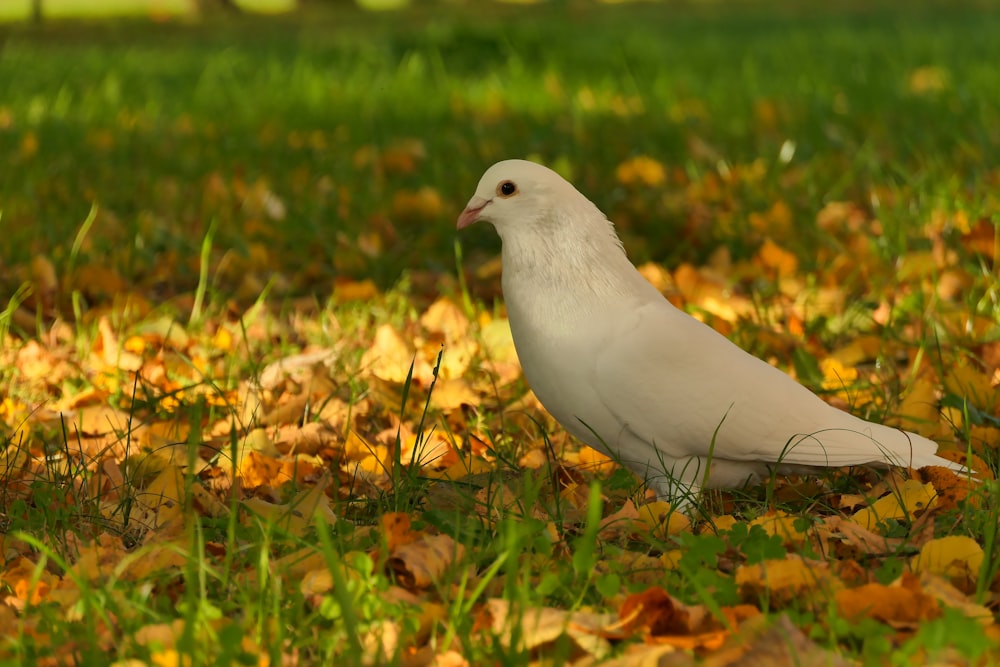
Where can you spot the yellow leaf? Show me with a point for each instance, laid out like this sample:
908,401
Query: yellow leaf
910,497
390,356
356,447
461,469
134,344
432,451
973,385
954,556
785,580
498,342
861,349
985,437
724,523
350,290
298,515
671,559
222,340
641,170
918,411
837,376
446,318
378,462
451,394
659,516
782,525
928,79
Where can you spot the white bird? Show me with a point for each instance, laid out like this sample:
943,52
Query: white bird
632,376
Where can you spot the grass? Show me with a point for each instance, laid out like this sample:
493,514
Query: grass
188,203
20,10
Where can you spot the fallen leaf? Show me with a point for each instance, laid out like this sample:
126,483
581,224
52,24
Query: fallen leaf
904,502
957,557
534,628
419,564
763,642
784,581
901,605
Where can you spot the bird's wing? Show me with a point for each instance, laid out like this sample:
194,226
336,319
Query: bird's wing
677,384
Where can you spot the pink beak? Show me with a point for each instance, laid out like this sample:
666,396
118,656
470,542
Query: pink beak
471,212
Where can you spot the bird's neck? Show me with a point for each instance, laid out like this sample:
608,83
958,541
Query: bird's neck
592,266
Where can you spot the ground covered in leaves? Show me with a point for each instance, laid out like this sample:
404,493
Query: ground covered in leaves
258,405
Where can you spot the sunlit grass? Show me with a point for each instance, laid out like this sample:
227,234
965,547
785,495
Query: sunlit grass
19,10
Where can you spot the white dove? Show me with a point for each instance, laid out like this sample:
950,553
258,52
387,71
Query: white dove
632,376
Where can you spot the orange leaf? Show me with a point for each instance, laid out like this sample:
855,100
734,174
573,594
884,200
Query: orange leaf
901,605
655,612
773,257
396,530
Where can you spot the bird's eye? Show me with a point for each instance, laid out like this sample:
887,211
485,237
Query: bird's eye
507,189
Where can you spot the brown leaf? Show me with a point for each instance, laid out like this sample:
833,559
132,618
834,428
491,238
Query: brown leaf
44,281
420,563
862,539
984,239
654,612
765,643
652,655
949,596
538,627
951,488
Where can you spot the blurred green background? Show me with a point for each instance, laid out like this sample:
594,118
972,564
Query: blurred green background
331,142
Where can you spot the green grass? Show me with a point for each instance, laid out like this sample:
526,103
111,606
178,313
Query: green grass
147,160
292,102
20,10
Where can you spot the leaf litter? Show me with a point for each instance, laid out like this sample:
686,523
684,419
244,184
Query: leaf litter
315,422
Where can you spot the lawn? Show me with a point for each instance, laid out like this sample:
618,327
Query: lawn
20,10
259,402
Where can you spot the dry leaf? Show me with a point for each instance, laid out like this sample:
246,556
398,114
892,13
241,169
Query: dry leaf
901,605
958,557
903,503
535,628
419,564
783,581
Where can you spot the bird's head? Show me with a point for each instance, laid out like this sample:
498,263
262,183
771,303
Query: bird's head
542,220
517,192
